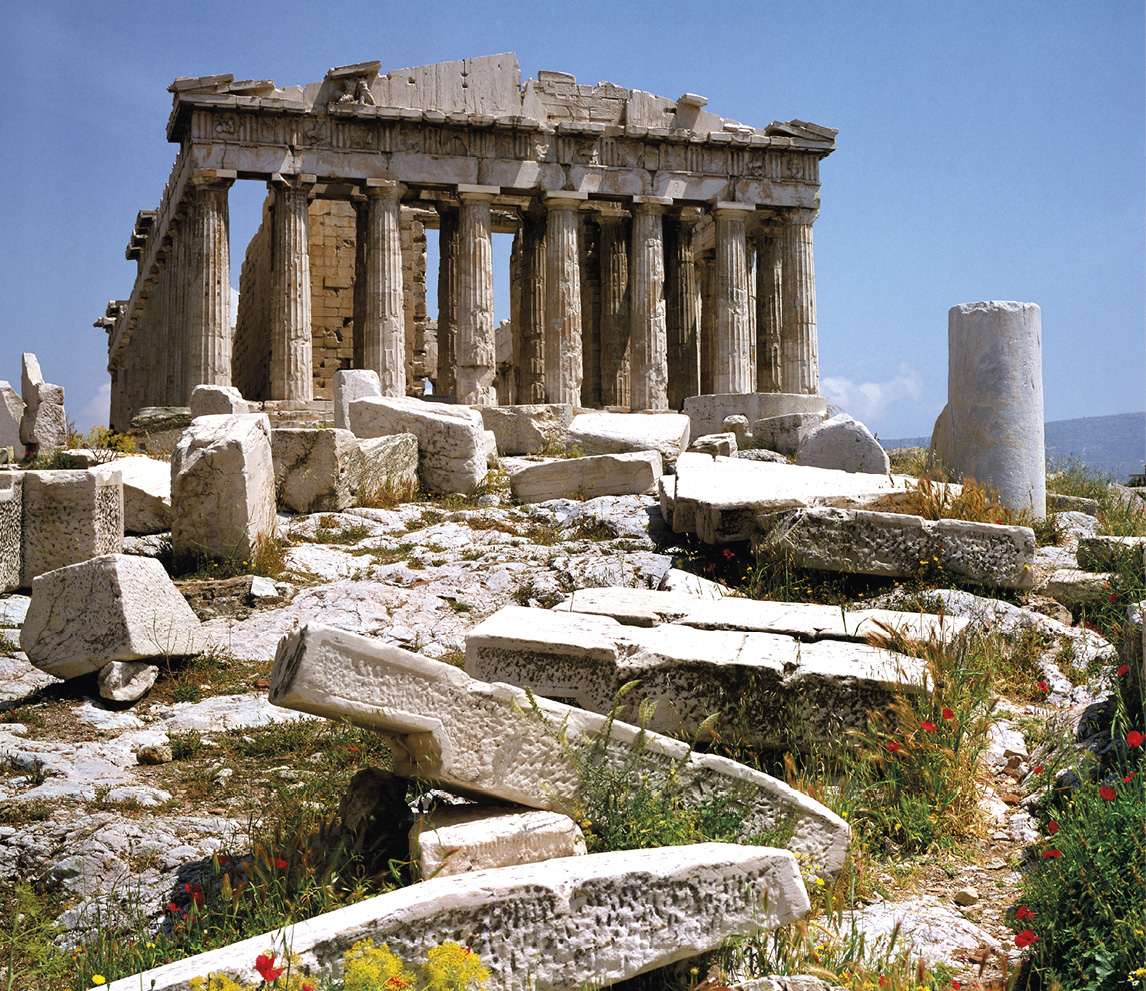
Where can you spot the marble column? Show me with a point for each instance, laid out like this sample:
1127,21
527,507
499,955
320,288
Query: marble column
563,371
769,318
648,334
705,273
384,318
529,318
177,314
292,373
682,317
447,383
614,315
208,260
590,245
732,371
800,362
476,348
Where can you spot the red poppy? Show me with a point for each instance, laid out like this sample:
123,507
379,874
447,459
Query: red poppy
1112,597
1052,826
352,750
306,987
1134,738
1022,912
265,965
948,714
955,984
1025,938
1052,854
195,892
1043,687
224,860
172,907
882,980
1038,769
893,747
1129,777
729,554
1125,669
930,727
1108,793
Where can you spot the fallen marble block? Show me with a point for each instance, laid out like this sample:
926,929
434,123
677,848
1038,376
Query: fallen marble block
724,445
350,384
316,470
587,478
463,838
720,499
11,523
11,413
117,607
389,464
217,400
1074,587
769,689
556,926
620,433
223,486
784,433
451,439
69,516
1101,553
708,413
146,493
44,425
843,443
895,545
527,429
492,740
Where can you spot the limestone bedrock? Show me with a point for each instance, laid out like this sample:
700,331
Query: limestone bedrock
490,740
554,926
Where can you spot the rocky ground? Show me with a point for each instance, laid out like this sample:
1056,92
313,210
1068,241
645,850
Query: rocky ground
100,800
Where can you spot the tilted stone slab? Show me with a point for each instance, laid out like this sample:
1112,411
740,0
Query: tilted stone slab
488,740
69,516
388,464
146,493
527,428
618,433
451,439
462,838
784,433
350,384
897,545
117,607
805,621
223,486
588,478
771,689
1073,586
719,499
1101,553
11,413
557,926
11,522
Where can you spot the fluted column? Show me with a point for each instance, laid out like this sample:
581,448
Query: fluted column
447,383
799,350
177,314
208,261
705,272
384,318
732,371
158,317
648,340
769,318
292,374
590,275
682,317
476,350
614,319
563,370
529,318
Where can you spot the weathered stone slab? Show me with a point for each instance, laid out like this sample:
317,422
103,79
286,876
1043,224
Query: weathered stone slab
463,838
117,607
69,516
223,486
676,580
389,464
11,413
1073,587
558,926
897,545
316,470
1100,553
707,413
784,433
620,433
44,426
351,384
451,441
770,689
146,493
488,740
720,499
528,429
724,444
217,400
11,525
589,477
843,443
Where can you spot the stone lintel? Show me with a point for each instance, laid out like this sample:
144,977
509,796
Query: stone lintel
191,84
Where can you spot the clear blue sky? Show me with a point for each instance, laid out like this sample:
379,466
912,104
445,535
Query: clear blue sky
986,150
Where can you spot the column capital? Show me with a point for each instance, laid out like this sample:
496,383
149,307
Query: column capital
800,215
731,208
564,199
477,194
213,177
609,211
686,216
384,189
299,181
651,204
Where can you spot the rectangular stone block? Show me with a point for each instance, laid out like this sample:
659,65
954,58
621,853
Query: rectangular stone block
769,689
558,926
527,429
316,470
619,433
707,413
488,740
68,517
11,521
587,478
896,545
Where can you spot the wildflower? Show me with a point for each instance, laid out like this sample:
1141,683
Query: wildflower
172,907
1108,793
930,727
98,979
279,863
195,892
893,747
948,714
729,554
1125,669
1043,687
1052,826
265,965
1130,777
1022,912
1025,938
955,984
1134,738
1038,769
1112,597
223,860
1052,854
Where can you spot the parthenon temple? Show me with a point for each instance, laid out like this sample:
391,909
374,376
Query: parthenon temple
659,251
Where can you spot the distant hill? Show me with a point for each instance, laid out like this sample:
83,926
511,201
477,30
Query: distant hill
1113,445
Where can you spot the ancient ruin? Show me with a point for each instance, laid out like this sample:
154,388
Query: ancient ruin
660,251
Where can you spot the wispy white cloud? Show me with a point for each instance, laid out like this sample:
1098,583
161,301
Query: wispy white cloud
870,401
96,412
